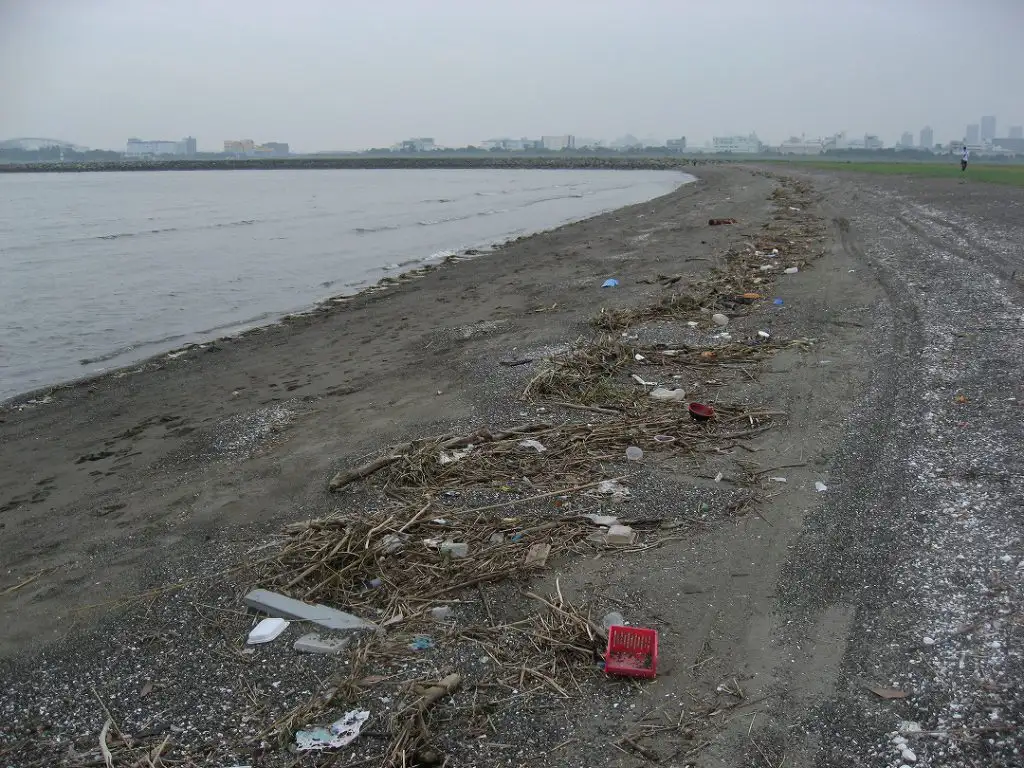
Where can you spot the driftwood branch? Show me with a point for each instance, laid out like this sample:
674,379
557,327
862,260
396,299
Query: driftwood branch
345,477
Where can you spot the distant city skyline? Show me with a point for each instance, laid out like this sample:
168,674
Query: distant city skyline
974,134
329,75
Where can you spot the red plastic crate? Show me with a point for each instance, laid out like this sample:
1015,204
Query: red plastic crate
632,651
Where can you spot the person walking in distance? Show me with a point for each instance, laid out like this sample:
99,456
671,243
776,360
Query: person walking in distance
964,157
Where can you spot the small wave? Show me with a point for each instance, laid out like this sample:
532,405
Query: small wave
120,235
163,230
371,230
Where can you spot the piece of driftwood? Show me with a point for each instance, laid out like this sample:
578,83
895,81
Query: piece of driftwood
345,477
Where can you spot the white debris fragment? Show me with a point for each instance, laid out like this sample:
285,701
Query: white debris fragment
820,487
791,270
533,445
673,395
620,534
928,640
610,487
719,319
643,382
341,733
267,630
454,549
450,457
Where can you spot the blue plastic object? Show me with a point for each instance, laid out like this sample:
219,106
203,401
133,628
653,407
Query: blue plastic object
421,644
778,302
611,282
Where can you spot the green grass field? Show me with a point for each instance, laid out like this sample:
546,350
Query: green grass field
995,174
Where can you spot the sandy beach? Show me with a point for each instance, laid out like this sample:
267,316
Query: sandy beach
788,570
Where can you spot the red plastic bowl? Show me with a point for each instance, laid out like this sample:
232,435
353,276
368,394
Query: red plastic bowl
700,412
632,651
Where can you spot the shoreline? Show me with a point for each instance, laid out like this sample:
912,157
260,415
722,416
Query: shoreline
604,163
318,306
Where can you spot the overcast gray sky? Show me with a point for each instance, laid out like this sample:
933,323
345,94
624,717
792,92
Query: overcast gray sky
342,74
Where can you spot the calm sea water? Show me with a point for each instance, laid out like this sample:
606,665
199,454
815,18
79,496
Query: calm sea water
100,270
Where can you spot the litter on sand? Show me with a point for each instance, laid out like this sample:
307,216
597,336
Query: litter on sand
613,619
314,643
778,302
267,630
450,457
421,644
791,270
643,382
634,454
820,487
620,534
611,282
719,319
603,520
455,549
672,395
340,733
631,651
534,445
537,556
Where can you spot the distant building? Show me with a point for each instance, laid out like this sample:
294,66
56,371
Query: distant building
1016,132
421,144
988,129
842,141
629,141
160,147
676,145
249,148
242,147
1012,144
927,138
276,148
800,146
511,145
973,134
907,140
557,143
739,145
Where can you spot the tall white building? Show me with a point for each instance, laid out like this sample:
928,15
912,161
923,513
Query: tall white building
988,128
927,138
